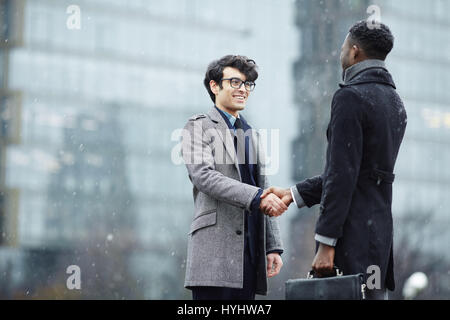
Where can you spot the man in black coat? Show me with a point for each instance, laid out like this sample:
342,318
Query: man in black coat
354,230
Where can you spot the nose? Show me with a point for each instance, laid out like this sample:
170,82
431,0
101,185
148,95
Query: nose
242,88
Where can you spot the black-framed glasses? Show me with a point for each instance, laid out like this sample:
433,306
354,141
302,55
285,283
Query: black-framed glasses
236,83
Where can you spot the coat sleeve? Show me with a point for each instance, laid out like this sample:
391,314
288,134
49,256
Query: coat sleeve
273,236
345,144
200,163
310,190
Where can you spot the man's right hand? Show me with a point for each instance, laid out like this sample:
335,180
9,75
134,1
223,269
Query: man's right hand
272,205
284,194
324,260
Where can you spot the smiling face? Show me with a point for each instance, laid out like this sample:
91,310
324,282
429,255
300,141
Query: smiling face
230,99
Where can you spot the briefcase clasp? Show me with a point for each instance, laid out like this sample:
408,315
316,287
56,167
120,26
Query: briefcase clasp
363,291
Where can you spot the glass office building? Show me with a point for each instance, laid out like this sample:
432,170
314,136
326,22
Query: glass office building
422,186
89,173
419,64
422,74
89,178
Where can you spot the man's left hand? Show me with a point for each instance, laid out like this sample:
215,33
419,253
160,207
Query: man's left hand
274,264
324,260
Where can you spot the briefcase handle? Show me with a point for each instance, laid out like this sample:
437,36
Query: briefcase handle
336,273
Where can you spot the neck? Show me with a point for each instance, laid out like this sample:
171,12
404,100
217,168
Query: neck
234,113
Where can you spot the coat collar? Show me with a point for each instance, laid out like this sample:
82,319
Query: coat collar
355,69
216,117
367,71
231,120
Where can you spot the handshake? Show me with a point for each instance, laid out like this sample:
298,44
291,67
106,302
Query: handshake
275,201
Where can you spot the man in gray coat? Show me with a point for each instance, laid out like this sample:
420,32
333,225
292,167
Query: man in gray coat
232,246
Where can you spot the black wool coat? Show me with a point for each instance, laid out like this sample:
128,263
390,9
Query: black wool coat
368,121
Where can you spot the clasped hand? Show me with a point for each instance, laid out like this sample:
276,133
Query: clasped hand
275,201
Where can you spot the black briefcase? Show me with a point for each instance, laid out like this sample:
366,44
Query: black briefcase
337,287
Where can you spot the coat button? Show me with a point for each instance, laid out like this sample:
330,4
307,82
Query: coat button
238,232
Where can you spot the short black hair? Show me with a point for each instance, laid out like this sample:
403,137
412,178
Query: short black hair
215,70
376,41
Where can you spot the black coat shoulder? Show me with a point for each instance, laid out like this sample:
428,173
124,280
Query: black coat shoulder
347,102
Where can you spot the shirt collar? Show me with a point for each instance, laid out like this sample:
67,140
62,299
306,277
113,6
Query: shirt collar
230,117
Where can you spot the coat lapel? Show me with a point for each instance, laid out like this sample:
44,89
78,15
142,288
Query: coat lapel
257,153
225,134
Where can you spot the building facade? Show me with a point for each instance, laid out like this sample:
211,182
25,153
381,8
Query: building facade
99,90
420,73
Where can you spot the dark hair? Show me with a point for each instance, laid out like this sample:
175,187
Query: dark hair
215,70
376,42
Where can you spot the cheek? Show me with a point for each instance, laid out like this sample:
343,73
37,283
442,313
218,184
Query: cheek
229,95
344,53
346,56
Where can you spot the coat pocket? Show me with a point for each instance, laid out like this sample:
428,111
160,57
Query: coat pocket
202,221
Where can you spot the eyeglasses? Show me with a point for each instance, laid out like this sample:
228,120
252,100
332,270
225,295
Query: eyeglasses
236,83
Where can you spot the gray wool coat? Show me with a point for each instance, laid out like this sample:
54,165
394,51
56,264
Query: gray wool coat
215,255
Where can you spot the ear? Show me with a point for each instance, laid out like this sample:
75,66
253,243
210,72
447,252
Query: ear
214,87
356,51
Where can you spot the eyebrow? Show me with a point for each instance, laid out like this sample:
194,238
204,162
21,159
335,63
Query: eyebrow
234,78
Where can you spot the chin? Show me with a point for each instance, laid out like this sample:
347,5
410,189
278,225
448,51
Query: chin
239,107
345,64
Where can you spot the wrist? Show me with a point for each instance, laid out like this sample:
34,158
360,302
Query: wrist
288,196
325,247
